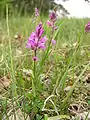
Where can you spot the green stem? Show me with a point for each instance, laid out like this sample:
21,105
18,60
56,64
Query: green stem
35,66
34,79
47,52
12,72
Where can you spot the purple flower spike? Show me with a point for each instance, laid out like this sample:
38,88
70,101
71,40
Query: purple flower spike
36,12
54,42
53,16
35,58
51,22
36,41
87,27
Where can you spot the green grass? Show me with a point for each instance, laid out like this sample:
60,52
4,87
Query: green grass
65,65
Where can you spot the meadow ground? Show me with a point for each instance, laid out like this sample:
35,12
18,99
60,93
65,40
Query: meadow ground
62,80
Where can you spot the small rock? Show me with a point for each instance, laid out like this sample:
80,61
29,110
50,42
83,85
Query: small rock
67,88
75,44
27,72
82,52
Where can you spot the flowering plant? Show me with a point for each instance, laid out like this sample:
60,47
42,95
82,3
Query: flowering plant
51,23
36,41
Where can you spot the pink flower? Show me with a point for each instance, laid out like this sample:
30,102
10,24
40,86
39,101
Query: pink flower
49,23
41,43
52,16
39,30
31,41
54,42
36,41
36,12
87,27
35,58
